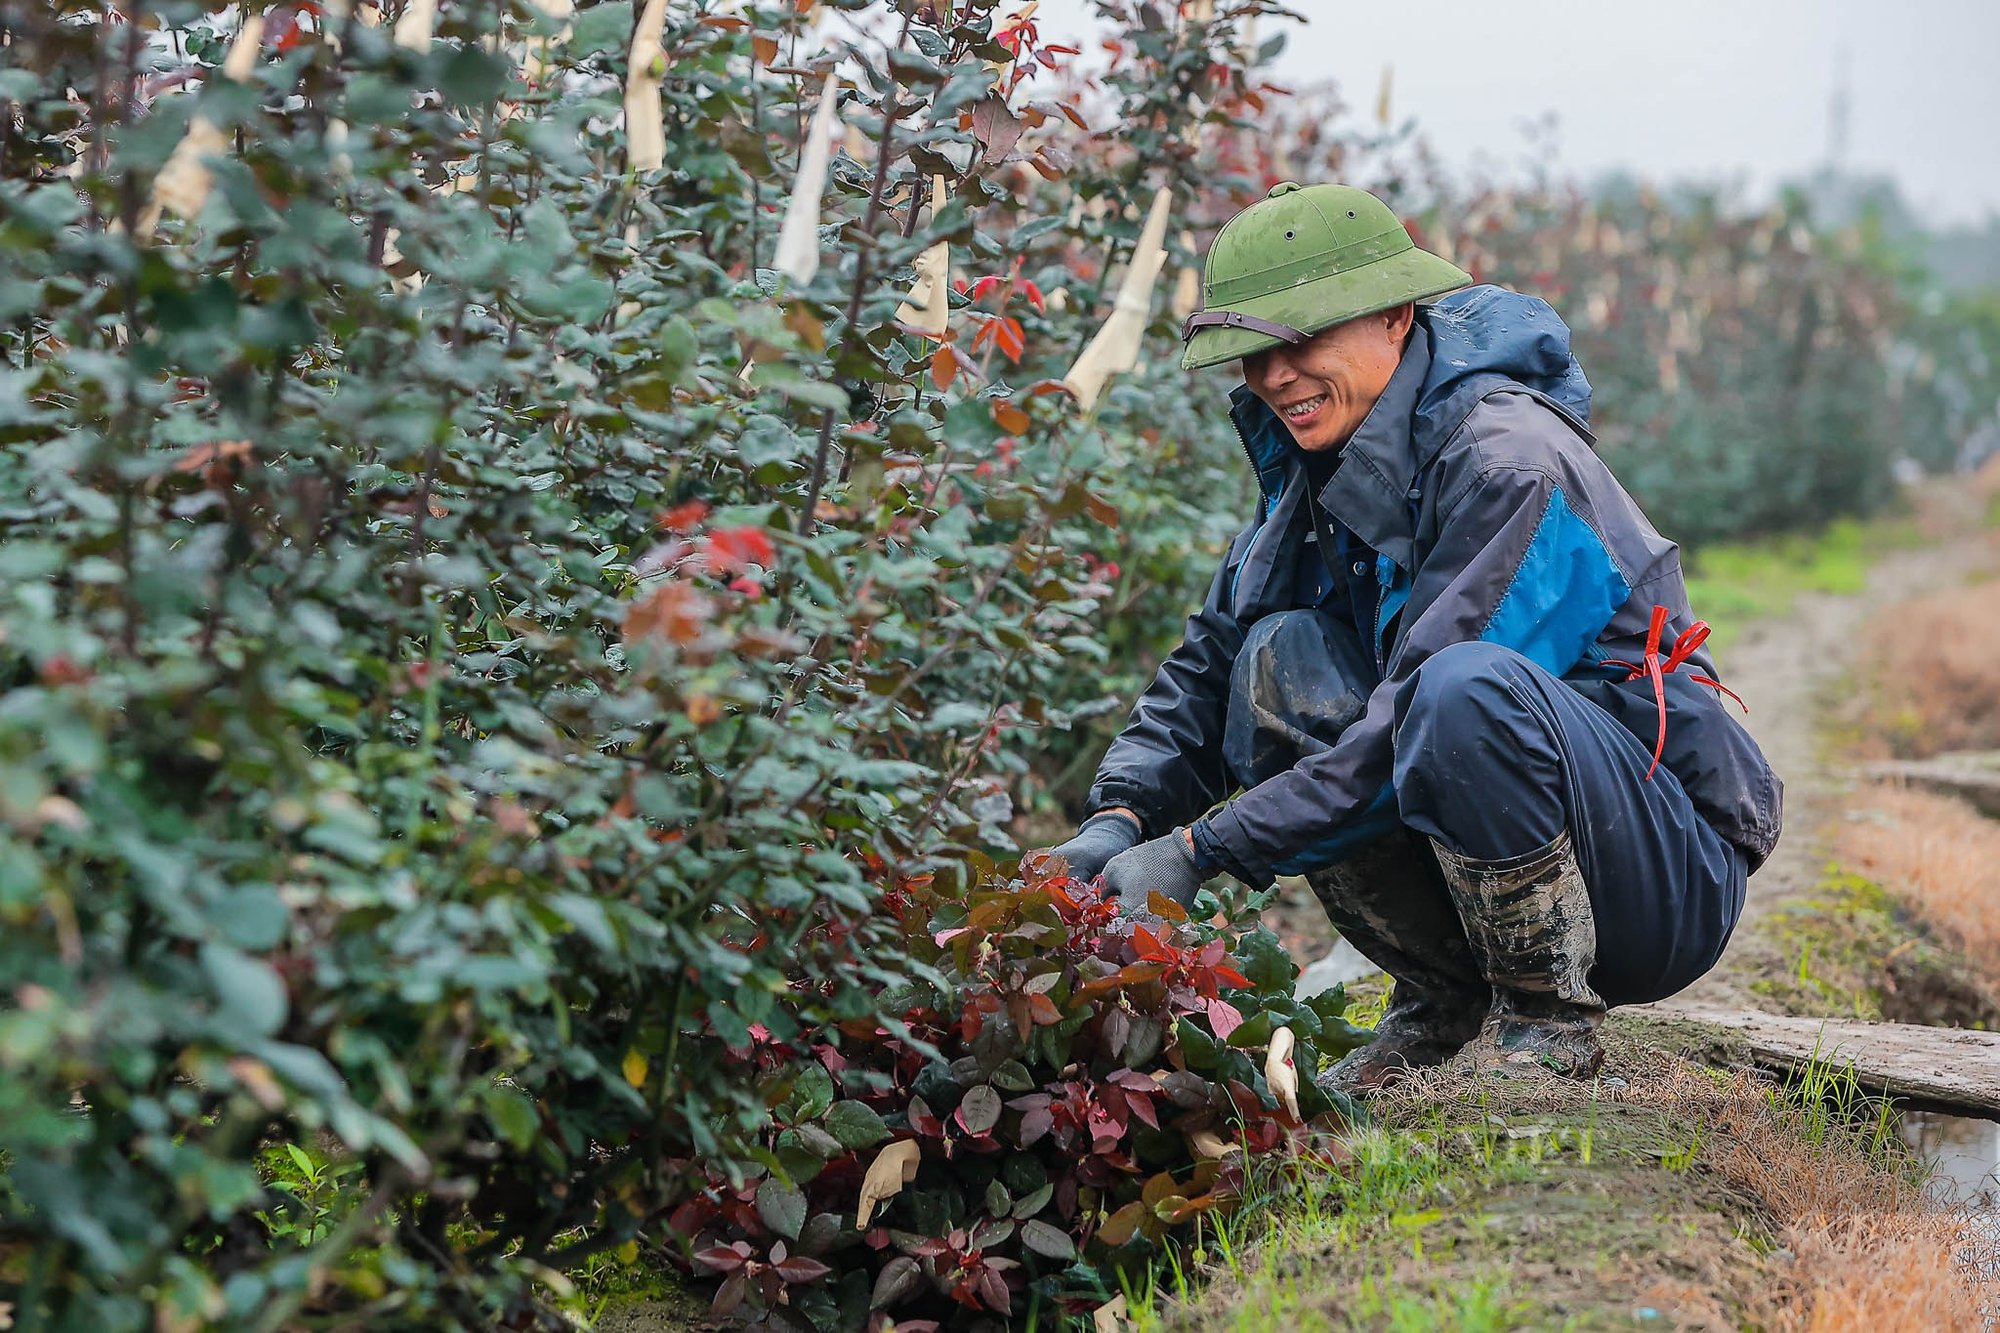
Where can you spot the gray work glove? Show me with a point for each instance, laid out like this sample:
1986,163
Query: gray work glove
1164,866
1101,837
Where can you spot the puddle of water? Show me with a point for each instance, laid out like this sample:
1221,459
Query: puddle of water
1966,1154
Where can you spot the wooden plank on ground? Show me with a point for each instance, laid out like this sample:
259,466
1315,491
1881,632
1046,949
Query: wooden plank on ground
1947,1067
1971,777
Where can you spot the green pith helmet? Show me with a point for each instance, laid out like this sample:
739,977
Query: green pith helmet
1302,259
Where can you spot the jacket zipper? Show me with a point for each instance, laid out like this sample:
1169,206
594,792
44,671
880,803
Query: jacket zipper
1256,473
1381,601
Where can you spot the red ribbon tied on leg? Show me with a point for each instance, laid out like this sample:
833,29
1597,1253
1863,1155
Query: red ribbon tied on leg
1659,668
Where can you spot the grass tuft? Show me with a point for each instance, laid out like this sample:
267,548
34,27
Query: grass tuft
1684,1196
1733,584
1852,949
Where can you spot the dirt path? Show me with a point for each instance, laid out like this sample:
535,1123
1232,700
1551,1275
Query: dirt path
1786,669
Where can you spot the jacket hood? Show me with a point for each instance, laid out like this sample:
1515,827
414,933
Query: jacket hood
1478,337
1485,331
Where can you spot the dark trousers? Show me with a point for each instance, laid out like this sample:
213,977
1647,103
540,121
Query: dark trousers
1494,758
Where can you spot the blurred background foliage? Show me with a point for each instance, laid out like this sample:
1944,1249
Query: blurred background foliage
467,620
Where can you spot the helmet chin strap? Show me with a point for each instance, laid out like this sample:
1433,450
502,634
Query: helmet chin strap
1235,319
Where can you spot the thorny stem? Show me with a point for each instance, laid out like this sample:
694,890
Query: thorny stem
128,198
987,734
892,111
756,185
100,114
434,455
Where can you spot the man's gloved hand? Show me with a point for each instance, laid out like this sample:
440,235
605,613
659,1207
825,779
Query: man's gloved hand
1101,837
1165,866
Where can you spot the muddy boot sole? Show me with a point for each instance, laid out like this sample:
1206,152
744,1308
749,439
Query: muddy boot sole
1380,1065
1533,1050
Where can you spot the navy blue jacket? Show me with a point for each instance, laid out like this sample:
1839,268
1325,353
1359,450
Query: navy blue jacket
1475,481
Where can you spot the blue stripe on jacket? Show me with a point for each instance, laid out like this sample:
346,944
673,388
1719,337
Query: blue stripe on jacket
1564,592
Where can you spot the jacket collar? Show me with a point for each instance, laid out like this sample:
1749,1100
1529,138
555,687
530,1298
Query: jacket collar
1371,489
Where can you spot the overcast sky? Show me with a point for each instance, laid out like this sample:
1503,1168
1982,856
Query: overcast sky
1722,91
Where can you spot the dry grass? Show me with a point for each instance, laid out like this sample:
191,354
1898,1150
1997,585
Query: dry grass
1882,1271
1937,856
1713,1198
1930,668
1870,1251
1933,675
1871,1264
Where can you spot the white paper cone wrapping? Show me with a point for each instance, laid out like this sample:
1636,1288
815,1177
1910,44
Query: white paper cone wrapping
242,58
184,181
1116,346
1279,1072
645,127
928,306
417,25
798,238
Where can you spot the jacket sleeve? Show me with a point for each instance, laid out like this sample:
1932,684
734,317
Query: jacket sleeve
1513,564
1166,765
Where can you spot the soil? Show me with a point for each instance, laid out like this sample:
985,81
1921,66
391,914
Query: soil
1543,1204
1788,670
678,1312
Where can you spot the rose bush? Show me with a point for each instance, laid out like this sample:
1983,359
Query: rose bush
1061,1089
472,628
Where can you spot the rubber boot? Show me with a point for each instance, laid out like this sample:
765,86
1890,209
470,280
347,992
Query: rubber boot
1530,923
1387,903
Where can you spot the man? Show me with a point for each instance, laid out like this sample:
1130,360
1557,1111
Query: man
1450,664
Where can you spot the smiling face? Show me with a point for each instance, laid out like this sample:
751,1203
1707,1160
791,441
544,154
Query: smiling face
1323,388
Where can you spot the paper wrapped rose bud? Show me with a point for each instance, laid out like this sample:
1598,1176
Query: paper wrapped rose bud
184,182
928,305
1116,346
1280,1073
1210,1146
798,237
894,1167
